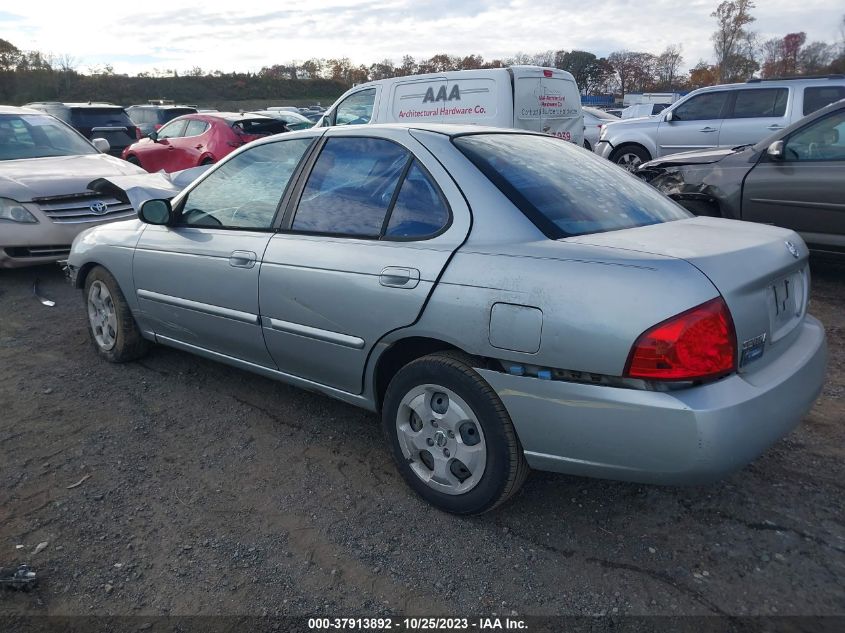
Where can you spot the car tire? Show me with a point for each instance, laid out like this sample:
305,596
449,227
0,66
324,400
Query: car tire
206,161
587,146
629,157
112,328
440,405
133,160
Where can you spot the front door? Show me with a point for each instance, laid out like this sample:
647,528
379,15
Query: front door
694,124
805,191
369,236
197,281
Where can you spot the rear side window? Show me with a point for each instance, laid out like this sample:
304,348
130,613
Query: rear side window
420,209
703,107
817,97
765,102
351,187
100,117
564,190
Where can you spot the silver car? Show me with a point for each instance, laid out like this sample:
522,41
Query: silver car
45,168
502,299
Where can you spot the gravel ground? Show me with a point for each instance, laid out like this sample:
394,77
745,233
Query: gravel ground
213,491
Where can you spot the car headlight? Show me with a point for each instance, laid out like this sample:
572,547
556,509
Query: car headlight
13,211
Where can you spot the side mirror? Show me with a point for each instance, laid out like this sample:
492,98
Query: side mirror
668,116
157,212
153,136
101,144
775,150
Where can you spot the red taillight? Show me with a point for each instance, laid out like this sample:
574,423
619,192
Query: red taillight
547,73
138,134
696,344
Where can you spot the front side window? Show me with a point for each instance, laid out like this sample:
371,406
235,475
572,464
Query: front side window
38,136
351,187
173,129
704,107
564,190
356,109
245,191
817,97
822,140
763,102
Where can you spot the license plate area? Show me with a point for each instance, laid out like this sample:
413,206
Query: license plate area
787,299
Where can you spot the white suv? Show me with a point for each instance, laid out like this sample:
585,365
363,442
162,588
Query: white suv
718,116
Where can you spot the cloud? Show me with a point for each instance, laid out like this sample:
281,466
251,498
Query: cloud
217,34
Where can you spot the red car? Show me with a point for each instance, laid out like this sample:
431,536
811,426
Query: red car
199,139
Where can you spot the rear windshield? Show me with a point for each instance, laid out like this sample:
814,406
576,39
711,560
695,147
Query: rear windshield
171,113
563,189
263,127
38,136
100,117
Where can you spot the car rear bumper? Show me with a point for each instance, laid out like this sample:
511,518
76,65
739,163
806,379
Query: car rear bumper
688,436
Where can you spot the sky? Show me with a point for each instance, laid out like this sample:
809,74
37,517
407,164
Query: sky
223,35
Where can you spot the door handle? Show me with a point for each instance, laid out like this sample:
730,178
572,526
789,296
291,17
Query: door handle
708,129
399,277
242,259
774,126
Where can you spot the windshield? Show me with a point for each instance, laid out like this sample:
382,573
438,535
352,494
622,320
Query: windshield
563,189
38,136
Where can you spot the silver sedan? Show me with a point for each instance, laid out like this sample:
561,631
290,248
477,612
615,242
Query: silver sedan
503,300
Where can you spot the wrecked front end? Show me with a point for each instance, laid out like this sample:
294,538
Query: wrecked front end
707,183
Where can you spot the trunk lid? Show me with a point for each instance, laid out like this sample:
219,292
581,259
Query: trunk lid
761,271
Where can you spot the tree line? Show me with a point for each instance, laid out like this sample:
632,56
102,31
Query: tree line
738,55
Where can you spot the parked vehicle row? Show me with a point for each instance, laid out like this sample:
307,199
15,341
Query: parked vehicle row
501,298
718,116
95,120
794,178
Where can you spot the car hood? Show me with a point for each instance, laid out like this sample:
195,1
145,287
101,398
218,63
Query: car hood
697,157
638,122
23,180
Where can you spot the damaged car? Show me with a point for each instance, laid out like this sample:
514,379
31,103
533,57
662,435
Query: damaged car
45,167
503,300
794,178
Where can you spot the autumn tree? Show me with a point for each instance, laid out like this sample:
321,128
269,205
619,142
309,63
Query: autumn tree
733,43
667,66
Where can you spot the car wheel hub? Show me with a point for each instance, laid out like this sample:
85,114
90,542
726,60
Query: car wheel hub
629,161
441,439
102,316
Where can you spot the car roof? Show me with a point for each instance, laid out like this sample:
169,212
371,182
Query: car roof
231,116
4,109
161,107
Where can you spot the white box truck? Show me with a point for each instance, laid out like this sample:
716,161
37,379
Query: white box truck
522,97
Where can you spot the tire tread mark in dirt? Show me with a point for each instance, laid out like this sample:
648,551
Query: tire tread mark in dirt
662,578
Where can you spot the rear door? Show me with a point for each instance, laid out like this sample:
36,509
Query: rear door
547,100
695,123
754,114
367,235
806,190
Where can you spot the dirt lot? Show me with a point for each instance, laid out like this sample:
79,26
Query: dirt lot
213,491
